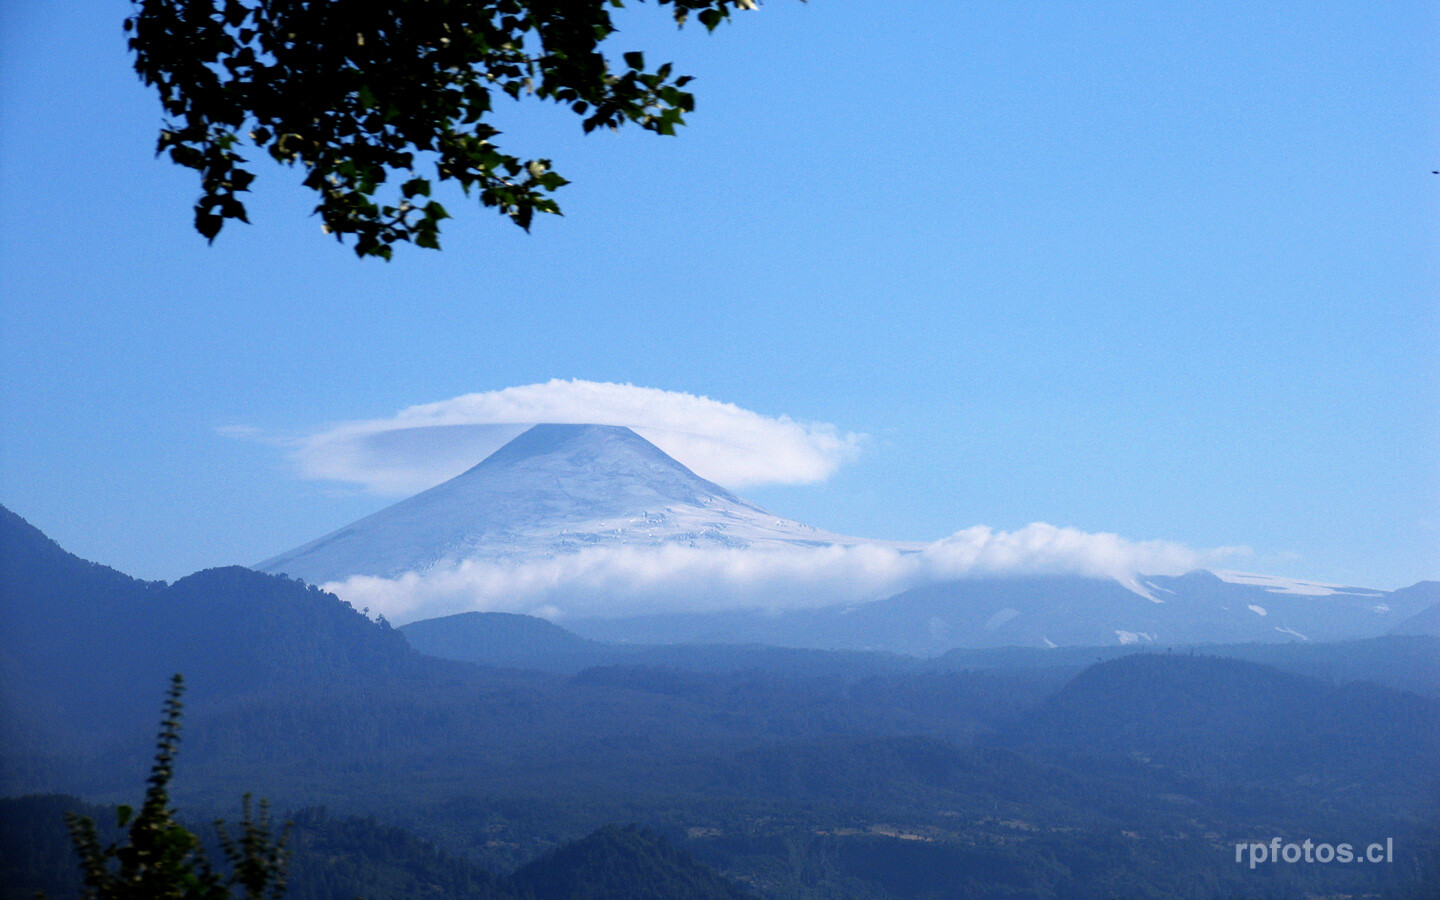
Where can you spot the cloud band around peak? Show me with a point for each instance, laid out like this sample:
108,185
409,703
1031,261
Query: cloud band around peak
424,445
623,580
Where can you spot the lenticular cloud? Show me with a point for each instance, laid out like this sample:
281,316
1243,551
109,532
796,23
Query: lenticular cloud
609,581
424,445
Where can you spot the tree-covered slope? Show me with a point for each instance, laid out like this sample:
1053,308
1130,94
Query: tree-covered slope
622,863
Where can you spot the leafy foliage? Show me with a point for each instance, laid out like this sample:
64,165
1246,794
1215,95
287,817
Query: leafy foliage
257,858
357,91
163,860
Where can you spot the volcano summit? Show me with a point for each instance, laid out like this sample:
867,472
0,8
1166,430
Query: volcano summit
553,489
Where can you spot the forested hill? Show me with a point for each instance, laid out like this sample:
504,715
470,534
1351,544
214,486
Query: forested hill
622,863
31,561
1224,720
86,646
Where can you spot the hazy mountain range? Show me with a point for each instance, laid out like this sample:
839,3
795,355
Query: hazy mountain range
1013,773
1038,737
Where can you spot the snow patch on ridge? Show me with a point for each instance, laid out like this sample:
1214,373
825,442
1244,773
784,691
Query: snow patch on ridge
1134,637
1277,585
1000,618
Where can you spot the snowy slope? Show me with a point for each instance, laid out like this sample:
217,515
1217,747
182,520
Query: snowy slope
553,489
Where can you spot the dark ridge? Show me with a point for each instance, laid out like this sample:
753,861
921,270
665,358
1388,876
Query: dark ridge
622,863
1217,719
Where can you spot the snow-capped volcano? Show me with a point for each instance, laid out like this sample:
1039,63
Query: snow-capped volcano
596,525
553,489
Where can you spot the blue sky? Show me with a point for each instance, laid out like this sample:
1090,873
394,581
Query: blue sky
1168,271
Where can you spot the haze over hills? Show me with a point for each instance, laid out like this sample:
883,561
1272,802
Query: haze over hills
1427,621
1199,607
597,528
800,774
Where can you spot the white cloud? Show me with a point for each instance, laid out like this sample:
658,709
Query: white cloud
424,445
1041,549
623,580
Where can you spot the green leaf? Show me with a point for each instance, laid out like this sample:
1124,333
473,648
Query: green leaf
208,225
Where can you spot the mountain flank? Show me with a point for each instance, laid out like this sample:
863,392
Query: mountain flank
554,489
